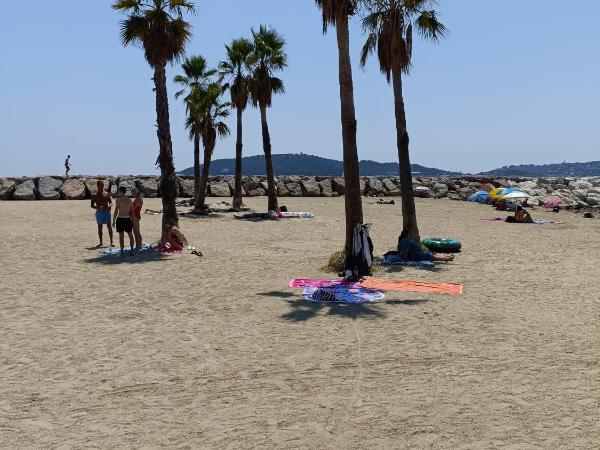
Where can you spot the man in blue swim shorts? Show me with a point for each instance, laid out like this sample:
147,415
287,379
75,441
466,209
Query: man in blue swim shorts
102,203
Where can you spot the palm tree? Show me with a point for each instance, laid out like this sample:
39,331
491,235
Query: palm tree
158,27
207,112
196,75
267,57
389,24
235,68
337,13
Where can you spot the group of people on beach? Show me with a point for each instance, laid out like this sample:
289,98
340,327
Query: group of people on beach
125,219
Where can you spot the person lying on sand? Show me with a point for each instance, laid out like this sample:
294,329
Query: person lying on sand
172,238
385,202
411,250
153,212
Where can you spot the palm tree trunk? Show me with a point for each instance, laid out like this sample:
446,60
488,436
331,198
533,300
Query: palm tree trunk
353,199
409,212
168,183
201,198
271,191
237,190
196,164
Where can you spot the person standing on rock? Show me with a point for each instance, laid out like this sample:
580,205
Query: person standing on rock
122,218
102,203
67,166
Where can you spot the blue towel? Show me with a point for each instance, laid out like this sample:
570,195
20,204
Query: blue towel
117,250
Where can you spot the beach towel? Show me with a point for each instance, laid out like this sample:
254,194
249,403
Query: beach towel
413,286
161,249
317,283
544,222
341,294
397,260
295,214
117,250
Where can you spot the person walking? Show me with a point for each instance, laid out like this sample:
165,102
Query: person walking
67,166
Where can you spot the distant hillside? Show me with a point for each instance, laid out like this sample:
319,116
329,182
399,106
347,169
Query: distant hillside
308,165
565,169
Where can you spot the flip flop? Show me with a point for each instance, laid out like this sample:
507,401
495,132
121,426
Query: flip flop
196,253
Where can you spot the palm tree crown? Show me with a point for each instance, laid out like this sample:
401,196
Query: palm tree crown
235,68
332,8
196,74
207,113
389,24
267,57
156,25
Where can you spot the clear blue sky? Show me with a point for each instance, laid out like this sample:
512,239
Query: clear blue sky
514,82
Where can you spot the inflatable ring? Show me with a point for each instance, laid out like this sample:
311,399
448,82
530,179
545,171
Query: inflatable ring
439,245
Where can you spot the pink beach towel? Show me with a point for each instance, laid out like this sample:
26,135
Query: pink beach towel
311,282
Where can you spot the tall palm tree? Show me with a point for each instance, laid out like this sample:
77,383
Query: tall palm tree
267,57
159,28
235,69
389,24
337,13
196,75
206,118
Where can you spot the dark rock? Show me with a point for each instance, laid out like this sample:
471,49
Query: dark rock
25,191
186,188
148,187
310,188
7,188
48,188
326,188
282,190
294,189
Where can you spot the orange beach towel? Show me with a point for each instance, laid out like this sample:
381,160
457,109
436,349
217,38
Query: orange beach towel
412,286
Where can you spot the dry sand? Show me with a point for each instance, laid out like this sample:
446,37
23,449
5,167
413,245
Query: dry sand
183,352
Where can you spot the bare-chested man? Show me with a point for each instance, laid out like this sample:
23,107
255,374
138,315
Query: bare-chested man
122,218
102,203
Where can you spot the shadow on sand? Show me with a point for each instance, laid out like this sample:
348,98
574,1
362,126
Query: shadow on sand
137,258
302,310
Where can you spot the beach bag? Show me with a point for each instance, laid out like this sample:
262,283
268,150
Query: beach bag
361,258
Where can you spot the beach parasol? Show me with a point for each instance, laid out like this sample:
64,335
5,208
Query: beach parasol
516,195
479,197
500,193
553,203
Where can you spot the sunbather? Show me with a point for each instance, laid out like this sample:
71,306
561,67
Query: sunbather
523,216
412,251
172,238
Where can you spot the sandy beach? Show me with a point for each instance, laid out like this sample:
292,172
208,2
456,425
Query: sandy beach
216,352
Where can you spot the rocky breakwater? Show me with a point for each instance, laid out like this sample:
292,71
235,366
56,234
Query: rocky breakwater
582,192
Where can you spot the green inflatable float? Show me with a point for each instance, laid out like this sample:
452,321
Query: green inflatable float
439,245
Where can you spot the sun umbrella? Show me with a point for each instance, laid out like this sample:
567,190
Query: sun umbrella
516,195
479,197
553,203
500,193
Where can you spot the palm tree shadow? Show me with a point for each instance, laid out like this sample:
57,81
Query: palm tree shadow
397,269
302,311
138,258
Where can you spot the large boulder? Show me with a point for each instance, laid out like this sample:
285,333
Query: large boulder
580,185
73,189
282,190
440,190
527,186
389,184
251,184
257,192
294,189
310,188
7,188
422,192
326,188
48,188
593,199
580,194
219,189
127,183
339,185
25,191
147,186
375,187
186,188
